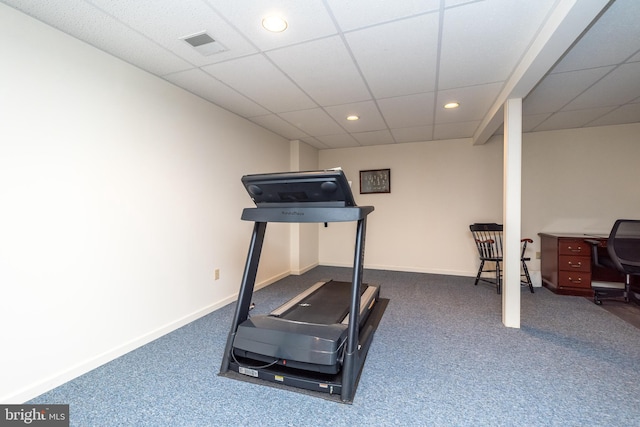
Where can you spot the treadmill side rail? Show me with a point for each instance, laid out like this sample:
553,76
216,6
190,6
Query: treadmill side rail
367,301
293,301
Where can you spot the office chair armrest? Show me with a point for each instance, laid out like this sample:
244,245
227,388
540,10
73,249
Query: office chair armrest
594,251
527,240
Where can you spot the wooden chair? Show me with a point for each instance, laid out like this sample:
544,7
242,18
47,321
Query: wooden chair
488,238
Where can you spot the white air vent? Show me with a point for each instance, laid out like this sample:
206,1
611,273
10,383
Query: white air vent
204,43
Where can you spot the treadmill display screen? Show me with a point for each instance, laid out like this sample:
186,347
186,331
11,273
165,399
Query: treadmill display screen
325,188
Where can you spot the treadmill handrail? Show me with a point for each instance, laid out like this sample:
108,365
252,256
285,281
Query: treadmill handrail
306,214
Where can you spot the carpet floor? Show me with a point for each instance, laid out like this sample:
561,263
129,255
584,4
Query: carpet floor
440,357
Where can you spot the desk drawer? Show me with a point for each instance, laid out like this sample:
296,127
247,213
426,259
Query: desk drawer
574,263
574,279
574,247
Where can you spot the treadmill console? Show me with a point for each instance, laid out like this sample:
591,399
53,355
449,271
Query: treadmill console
324,188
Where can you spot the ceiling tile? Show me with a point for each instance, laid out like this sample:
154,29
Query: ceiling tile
315,142
415,134
308,20
378,137
343,140
483,41
629,113
206,86
188,17
375,58
611,40
273,90
558,89
408,111
354,14
398,58
454,130
455,3
313,122
370,118
92,25
620,86
572,119
530,121
324,70
279,126
474,102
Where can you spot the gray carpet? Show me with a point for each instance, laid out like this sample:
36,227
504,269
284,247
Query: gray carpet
441,357
629,312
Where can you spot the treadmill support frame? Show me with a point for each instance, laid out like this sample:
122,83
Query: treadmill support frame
354,354
246,289
352,361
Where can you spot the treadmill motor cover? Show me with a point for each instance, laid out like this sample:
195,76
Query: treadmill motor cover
291,340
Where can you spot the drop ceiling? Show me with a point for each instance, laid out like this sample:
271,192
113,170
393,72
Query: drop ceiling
394,63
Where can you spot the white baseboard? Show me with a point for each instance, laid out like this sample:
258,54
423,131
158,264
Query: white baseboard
33,390
53,381
304,270
536,279
268,281
407,269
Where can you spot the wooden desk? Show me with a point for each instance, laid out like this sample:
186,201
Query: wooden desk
565,263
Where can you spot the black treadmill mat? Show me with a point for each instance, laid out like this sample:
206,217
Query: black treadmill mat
374,318
326,306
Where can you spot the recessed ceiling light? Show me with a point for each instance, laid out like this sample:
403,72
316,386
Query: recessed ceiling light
353,118
451,105
275,24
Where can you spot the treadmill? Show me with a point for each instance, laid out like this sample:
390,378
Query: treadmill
318,340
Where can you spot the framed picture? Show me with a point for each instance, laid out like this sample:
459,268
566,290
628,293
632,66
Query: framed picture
375,181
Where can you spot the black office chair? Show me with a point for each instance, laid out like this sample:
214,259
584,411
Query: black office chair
488,239
623,255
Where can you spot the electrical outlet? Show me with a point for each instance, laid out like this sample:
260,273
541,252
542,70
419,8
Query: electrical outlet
216,274
538,255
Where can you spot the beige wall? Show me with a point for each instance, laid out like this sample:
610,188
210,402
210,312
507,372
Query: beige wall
120,196
437,189
580,180
570,182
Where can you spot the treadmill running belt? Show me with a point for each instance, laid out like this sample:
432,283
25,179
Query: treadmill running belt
326,306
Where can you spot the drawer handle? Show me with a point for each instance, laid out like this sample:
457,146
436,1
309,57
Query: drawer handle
572,265
579,249
579,280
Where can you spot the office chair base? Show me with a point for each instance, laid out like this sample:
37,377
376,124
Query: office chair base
609,290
